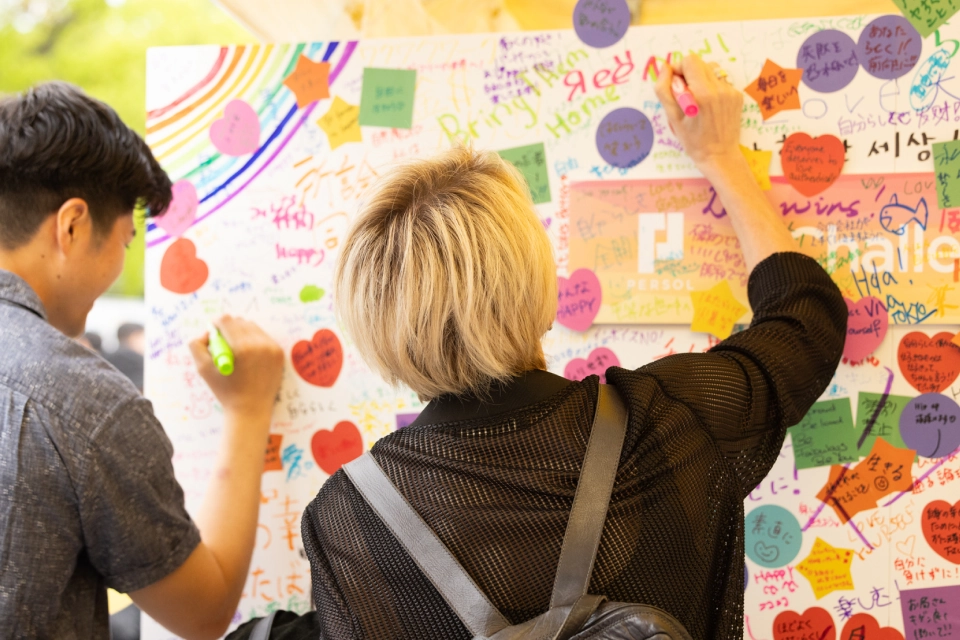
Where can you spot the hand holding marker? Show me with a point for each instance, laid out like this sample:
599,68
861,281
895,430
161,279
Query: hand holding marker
220,351
684,98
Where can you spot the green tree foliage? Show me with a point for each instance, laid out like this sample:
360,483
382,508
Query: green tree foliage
101,46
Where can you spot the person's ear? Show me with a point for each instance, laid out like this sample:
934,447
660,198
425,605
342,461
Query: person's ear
73,225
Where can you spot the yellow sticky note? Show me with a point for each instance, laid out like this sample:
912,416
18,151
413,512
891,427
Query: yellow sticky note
759,161
827,568
341,123
716,310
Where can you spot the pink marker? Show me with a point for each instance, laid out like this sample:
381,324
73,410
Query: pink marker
684,98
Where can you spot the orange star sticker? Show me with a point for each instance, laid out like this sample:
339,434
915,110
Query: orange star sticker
310,81
776,89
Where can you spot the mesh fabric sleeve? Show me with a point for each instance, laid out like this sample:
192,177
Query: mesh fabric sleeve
749,388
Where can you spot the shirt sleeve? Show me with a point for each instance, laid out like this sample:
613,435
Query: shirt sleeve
749,388
136,528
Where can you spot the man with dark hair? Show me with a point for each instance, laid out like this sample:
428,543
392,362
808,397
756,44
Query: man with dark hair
88,498
128,357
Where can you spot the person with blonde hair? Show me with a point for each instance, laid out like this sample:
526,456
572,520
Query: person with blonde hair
447,284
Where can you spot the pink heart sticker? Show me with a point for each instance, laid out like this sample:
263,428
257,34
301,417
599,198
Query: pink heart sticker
579,299
599,360
182,210
237,133
867,323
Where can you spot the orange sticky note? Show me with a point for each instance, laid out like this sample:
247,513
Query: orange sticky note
776,89
716,310
956,339
272,460
341,123
885,470
310,81
827,568
759,161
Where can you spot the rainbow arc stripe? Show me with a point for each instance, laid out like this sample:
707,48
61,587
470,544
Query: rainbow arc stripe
178,133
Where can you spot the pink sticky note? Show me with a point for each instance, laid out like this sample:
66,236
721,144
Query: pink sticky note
579,299
237,133
867,324
182,210
597,362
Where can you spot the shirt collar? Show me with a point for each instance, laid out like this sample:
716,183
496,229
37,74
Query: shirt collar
15,290
526,389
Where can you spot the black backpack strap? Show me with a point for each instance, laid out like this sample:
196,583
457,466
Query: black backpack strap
442,569
589,511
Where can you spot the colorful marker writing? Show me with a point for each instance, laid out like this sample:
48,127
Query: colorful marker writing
220,351
684,98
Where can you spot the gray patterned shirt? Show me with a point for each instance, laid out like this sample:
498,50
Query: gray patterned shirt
88,498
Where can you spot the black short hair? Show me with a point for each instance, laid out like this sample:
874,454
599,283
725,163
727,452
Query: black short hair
57,143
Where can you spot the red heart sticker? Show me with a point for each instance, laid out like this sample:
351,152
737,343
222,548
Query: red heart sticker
333,449
815,623
867,324
864,626
318,361
930,365
180,269
811,164
941,528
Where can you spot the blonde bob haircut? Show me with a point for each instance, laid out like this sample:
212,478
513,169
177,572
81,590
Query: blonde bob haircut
446,282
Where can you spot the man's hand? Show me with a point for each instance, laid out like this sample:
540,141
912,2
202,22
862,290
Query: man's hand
258,368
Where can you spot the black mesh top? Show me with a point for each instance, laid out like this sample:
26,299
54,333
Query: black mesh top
495,480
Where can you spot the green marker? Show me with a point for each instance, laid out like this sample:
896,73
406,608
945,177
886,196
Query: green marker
220,351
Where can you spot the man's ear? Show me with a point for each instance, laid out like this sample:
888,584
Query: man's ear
73,224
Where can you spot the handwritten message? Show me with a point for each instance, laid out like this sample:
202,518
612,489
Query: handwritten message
772,536
759,161
828,59
927,15
867,323
946,166
827,568
318,361
531,160
826,435
885,470
715,310
776,89
931,613
309,81
387,96
341,123
601,23
929,364
237,133
811,164
813,624
889,47
579,298
597,363
887,423
930,423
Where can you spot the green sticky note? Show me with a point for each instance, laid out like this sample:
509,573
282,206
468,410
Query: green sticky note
946,168
825,436
927,15
386,99
887,425
531,160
